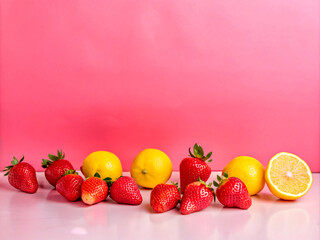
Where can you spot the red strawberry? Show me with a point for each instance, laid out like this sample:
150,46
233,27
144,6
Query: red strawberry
196,197
125,190
56,167
232,192
195,167
22,176
94,190
164,197
69,185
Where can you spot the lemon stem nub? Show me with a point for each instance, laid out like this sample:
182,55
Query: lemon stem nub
144,171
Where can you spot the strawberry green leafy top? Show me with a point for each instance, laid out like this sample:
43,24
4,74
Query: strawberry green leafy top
198,153
52,158
13,162
220,179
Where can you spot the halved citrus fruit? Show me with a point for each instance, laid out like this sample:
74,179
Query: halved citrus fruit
288,176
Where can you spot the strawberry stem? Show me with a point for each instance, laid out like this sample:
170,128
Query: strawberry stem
52,158
199,153
208,186
67,172
97,175
177,185
220,179
13,162
109,181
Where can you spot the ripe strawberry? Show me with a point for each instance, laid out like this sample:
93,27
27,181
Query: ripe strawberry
22,176
194,167
94,190
197,196
232,192
125,190
69,185
164,197
56,167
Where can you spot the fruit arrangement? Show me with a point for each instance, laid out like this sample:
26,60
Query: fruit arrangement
287,176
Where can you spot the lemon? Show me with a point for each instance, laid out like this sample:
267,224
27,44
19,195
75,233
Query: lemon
105,163
288,176
151,167
249,170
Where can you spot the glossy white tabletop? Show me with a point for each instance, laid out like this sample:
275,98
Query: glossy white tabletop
47,215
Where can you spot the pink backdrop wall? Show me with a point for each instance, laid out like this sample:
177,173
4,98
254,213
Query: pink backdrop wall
238,77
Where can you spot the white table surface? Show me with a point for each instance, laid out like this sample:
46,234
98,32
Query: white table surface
47,215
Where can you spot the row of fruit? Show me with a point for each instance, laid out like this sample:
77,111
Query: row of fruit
287,176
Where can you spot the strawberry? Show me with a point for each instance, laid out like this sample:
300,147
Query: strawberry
164,197
194,167
22,176
197,196
56,167
232,192
125,190
69,185
94,190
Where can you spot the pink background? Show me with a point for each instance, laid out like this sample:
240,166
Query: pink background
238,77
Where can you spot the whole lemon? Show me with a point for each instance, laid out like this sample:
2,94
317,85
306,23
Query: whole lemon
105,163
249,170
151,167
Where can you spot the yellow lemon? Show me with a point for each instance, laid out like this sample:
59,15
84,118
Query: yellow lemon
249,170
151,167
105,163
288,176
